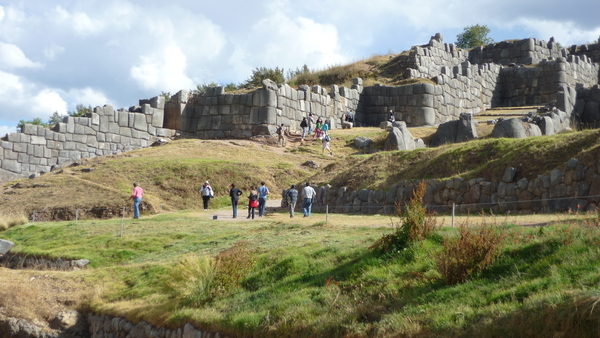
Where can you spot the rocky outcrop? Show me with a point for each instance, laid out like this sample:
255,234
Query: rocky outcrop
399,138
461,130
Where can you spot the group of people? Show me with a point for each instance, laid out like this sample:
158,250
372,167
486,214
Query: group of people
321,131
256,199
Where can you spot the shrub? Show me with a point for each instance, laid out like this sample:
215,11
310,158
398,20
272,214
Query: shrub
472,252
416,224
262,73
198,280
11,219
192,280
233,265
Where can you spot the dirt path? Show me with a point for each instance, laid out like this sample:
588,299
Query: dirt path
227,214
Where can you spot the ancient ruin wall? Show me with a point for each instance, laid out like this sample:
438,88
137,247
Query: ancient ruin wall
37,149
576,188
215,114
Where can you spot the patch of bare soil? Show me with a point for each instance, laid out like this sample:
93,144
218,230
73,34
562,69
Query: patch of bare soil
40,297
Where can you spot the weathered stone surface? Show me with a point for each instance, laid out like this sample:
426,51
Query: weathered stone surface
362,142
5,246
511,128
509,174
445,133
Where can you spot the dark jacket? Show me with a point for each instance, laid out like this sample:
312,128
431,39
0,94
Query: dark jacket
235,194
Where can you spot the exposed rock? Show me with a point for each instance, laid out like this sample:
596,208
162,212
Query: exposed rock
5,246
399,139
362,142
511,128
311,164
509,174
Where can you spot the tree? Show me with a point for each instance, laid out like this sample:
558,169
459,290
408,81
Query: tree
473,36
36,121
263,73
56,118
80,110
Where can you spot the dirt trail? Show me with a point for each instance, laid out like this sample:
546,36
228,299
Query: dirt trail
227,214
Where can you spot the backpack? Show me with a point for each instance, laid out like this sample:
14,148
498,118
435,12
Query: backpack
279,131
326,138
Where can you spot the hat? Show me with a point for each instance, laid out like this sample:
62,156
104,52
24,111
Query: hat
206,182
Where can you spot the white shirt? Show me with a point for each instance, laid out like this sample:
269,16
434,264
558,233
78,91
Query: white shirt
308,192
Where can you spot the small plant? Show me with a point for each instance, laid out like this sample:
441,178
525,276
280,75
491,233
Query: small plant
11,219
473,251
233,265
192,280
416,224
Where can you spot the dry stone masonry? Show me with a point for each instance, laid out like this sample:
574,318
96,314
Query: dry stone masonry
446,82
575,187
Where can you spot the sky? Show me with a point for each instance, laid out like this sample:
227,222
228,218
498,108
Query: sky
57,54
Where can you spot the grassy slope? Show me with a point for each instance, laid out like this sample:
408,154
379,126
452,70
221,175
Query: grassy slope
310,279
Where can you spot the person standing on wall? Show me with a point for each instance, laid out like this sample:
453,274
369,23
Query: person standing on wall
235,194
304,126
281,135
252,202
292,198
263,191
207,193
137,194
308,193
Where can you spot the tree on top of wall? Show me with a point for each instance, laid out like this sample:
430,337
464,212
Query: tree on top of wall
262,73
473,36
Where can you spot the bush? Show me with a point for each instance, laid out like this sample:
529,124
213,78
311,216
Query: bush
472,252
262,73
416,224
192,280
198,280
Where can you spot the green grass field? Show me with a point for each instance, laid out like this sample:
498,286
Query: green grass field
277,277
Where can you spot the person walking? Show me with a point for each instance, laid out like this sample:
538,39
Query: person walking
252,202
325,144
311,123
308,193
318,128
207,193
292,198
325,128
235,194
263,191
304,126
136,196
281,135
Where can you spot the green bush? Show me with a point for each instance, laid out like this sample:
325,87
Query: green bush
472,252
416,224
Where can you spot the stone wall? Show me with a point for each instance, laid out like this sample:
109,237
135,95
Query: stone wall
37,149
464,88
527,52
576,187
216,114
100,326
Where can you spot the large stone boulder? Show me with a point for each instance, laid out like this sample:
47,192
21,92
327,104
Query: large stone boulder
511,128
399,139
467,128
5,246
362,142
446,133
461,130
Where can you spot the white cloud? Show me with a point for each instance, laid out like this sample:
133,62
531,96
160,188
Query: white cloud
53,51
565,33
1,13
163,71
11,56
46,102
6,129
86,96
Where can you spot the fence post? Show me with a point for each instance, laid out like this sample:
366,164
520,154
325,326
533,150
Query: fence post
326,213
76,216
33,217
122,219
453,210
